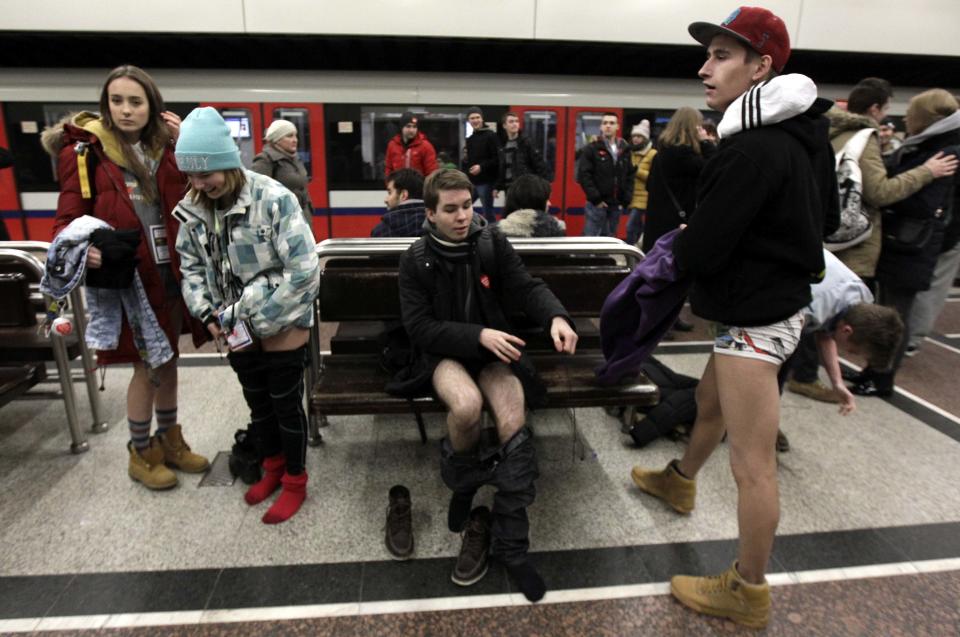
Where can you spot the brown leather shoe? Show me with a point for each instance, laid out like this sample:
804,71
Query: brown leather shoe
147,468
815,390
177,454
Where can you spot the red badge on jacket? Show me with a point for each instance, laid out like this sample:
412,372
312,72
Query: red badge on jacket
485,281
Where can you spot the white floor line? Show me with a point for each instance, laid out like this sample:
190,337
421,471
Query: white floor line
130,620
913,397
943,345
952,335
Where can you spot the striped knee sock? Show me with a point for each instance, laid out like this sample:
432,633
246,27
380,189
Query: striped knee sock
166,418
139,433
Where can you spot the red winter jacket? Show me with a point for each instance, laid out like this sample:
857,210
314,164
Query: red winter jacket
108,200
419,154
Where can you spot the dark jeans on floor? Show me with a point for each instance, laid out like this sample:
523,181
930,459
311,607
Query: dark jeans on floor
901,300
635,225
485,194
600,221
272,385
804,362
513,477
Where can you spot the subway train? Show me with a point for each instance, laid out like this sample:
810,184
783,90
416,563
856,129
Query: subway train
345,121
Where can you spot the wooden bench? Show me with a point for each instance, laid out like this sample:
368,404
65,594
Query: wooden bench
24,350
359,291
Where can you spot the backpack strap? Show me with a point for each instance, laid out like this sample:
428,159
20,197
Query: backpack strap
420,258
855,145
487,249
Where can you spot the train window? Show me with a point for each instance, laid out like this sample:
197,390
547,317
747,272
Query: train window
241,129
300,118
443,127
588,129
540,127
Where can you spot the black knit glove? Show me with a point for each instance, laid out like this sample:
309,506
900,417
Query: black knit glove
119,250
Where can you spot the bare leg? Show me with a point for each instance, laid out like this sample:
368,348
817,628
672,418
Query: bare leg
504,394
461,395
709,426
750,402
143,394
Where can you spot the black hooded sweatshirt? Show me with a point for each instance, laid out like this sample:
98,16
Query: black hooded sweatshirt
755,243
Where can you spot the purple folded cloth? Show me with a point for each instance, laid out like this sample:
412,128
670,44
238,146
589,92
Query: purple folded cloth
639,311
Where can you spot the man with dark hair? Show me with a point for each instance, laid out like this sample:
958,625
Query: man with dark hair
526,213
752,250
481,161
404,201
518,157
455,283
606,176
867,106
410,148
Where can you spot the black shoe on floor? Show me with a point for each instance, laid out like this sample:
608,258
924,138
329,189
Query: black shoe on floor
459,511
853,376
528,580
399,535
869,388
682,326
474,555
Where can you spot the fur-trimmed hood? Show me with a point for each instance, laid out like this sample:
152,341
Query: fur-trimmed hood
83,126
842,121
531,223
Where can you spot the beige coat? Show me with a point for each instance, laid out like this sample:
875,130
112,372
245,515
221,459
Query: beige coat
878,190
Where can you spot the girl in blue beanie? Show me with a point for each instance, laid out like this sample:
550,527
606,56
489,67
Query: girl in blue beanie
250,274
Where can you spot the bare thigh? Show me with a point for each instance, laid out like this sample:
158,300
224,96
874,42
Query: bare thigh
458,391
504,394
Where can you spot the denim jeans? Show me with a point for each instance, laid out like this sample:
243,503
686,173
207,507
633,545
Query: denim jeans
485,194
601,222
635,225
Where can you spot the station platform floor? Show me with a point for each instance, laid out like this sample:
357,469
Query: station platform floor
868,543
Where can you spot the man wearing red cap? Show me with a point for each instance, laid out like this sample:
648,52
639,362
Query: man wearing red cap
752,250
410,148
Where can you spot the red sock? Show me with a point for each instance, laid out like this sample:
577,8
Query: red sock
291,497
273,468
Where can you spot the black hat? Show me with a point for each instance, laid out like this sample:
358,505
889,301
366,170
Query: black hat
474,109
408,118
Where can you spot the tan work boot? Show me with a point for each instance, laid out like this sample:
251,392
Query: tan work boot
147,467
668,485
725,595
177,454
815,390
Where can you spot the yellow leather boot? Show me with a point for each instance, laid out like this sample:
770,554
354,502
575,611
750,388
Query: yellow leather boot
147,467
177,454
725,595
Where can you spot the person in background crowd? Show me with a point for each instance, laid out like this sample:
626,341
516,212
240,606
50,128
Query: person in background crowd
444,161
889,142
254,289
279,159
526,213
915,228
6,161
518,157
710,131
404,201
606,176
410,148
454,282
119,167
753,248
481,161
642,154
672,183
867,105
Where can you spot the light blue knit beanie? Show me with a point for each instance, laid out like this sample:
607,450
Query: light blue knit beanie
205,143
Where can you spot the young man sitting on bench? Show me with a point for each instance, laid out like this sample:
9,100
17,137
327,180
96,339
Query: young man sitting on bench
455,284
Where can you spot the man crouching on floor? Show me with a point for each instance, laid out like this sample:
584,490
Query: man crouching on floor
456,284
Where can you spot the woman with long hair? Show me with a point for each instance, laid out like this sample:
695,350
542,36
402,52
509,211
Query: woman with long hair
250,275
119,167
672,184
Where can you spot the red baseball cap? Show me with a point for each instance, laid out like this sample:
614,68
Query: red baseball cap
756,27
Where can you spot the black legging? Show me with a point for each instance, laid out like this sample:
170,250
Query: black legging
272,385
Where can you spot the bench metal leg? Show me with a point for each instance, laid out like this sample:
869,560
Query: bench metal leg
421,427
100,424
79,442
626,418
578,444
315,421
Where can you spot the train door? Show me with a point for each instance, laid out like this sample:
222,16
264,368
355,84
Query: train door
10,213
545,126
246,127
583,127
308,119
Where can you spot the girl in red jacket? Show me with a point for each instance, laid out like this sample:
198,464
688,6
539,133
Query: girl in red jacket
119,167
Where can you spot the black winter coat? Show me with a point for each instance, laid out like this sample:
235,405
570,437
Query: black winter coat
426,305
754,245
482,148
526,161
914,270
604,180
676,168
